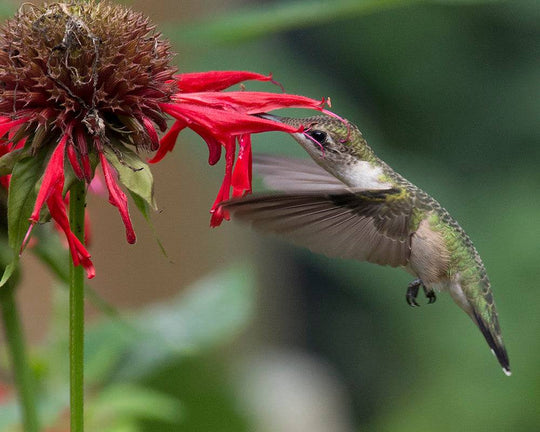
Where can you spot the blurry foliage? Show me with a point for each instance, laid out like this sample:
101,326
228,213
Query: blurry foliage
265,19
122,354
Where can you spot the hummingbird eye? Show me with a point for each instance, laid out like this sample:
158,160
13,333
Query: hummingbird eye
318,135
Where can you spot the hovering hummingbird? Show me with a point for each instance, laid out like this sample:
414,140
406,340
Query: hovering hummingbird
351,204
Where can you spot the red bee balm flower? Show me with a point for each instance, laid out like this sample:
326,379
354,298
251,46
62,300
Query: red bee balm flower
91,83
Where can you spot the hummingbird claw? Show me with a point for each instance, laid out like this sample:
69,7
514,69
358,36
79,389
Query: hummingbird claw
412,292
412,302
430,294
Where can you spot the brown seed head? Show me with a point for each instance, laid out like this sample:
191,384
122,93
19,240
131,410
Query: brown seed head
98,68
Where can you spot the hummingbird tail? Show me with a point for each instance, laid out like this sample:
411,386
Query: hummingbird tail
476,298
494,341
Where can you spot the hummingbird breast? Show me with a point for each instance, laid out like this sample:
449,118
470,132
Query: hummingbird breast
430,258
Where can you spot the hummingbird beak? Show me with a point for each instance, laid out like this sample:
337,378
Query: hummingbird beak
291,121
270,117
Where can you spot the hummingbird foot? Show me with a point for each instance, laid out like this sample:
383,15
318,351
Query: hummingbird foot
430,294
412,293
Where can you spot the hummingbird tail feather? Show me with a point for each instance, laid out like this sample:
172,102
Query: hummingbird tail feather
477,300
495,343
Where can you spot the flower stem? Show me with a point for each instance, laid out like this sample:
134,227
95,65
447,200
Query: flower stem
16,346
77,203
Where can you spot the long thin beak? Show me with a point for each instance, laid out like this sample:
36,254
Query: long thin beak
291,121
271,117
294,121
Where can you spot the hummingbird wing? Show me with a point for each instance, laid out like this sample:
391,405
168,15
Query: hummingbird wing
369,225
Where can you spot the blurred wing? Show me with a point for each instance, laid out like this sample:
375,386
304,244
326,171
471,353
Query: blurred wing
369,226
287,175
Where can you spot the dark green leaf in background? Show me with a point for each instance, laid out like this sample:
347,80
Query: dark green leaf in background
21,199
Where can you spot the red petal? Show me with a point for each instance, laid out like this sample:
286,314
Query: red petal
80,140
74,161
215,80
79,254
117,198
241,177
168,141
53,177
249,102
6,125
4,181
224,123
218,214
4,148
213,143
87,167
149,126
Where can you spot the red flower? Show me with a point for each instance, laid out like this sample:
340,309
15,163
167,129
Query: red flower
226,119
88,84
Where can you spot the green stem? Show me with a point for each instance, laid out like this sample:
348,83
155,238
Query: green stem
17,349
77,203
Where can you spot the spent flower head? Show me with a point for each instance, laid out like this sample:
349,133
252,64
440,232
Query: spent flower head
86,84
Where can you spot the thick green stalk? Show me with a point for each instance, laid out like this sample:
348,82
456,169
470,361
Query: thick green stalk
77,203
17,350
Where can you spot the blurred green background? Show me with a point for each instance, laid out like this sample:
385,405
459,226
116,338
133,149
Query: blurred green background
278,339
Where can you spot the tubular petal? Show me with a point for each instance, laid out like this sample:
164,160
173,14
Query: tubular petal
241,177
6,125
168,141
80,140
226,123
53,176
117,198
149,126
213,143
249,102
218,214
215,80
79,254
74,161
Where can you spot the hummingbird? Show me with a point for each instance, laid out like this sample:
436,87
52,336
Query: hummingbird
351,204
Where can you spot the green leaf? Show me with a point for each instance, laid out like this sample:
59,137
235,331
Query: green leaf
210,312
9,270
129,401
143,208
22,196
142,205
8,161
133,172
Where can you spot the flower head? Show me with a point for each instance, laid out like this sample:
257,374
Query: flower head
91,83
226,119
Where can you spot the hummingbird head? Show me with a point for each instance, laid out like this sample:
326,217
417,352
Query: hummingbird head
328,140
